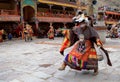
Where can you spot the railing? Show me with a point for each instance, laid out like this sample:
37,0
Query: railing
111,21
8,12
114,20
43,12
49,14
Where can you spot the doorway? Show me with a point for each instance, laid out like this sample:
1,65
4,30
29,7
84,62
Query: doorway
28,14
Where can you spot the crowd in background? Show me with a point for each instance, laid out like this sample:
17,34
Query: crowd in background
19,32
113,31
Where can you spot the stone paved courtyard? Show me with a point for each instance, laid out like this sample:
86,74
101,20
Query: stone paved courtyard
38,61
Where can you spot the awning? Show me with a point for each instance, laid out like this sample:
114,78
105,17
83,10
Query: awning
57,3
112,13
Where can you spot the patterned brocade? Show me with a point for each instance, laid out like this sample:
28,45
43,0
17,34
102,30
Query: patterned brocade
92,54
77,60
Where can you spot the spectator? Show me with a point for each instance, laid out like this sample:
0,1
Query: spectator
10,36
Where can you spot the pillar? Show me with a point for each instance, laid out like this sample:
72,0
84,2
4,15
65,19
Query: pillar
64,10
90,8
16,7
78,4
51,23
36,20
64,25
50,7
22,20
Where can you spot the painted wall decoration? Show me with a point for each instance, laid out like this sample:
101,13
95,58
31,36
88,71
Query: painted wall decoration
28,3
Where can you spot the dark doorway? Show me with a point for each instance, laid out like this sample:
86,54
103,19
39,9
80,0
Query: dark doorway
28,14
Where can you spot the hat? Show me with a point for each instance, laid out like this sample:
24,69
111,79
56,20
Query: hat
27,25
80,18
79,12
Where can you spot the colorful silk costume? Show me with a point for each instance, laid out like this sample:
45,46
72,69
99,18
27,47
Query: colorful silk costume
51,33
84,58
83,55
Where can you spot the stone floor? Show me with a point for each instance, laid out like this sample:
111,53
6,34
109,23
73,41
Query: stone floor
38,61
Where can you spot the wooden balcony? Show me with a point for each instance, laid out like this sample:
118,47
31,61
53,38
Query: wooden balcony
51,17
9,15
111,21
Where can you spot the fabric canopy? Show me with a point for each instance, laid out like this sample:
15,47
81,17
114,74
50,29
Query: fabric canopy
113,13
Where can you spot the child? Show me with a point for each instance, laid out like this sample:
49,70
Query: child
10,36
